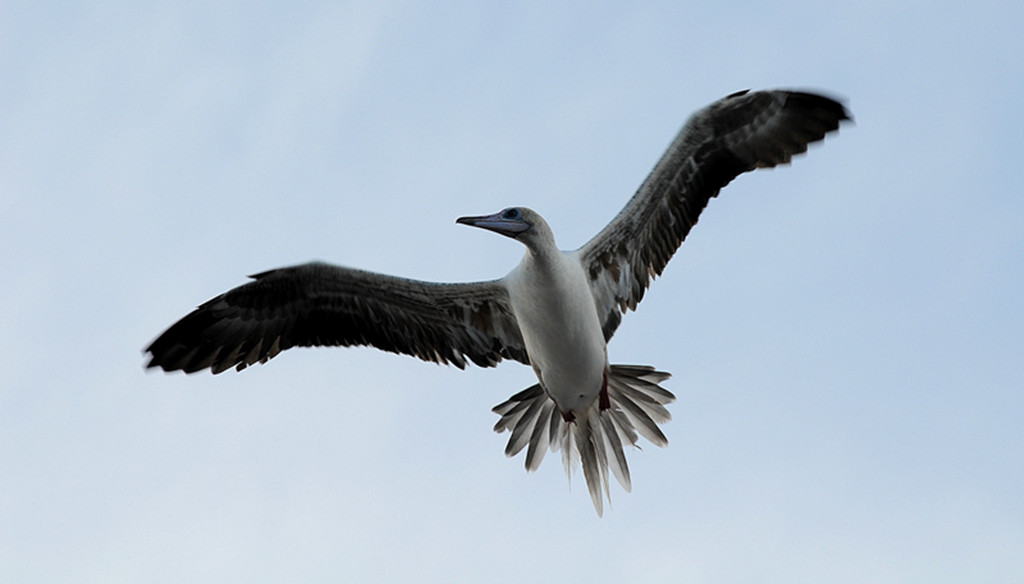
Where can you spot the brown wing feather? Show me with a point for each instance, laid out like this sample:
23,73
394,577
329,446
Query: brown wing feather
734,135
322,305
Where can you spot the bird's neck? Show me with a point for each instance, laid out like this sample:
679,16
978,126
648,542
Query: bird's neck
544,254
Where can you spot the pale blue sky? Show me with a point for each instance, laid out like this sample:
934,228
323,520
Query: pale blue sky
846,334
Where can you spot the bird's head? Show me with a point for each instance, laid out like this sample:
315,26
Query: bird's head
519,223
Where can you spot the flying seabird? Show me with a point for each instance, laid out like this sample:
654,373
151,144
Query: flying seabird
555,311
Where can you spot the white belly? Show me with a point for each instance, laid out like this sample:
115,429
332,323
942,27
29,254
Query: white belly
563,336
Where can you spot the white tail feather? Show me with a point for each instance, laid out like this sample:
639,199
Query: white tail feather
596,439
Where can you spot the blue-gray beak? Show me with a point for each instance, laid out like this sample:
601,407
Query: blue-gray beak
497,223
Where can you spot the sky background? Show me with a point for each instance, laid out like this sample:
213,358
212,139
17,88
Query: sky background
846,334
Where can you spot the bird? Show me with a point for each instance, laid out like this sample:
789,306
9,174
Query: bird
555,311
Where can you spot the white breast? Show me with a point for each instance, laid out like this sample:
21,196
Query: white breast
558,320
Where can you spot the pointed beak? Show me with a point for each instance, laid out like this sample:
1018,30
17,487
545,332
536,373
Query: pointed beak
495,223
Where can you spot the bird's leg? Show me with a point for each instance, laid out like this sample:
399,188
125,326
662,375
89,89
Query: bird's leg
604,402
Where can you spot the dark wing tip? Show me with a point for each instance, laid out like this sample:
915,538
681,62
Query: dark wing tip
814,115
767,128
826,106
189,346
816,104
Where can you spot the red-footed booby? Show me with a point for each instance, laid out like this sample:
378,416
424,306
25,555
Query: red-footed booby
555,311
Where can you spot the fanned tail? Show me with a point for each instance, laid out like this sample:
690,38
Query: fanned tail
595,439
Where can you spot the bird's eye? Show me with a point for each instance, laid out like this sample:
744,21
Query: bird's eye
512,213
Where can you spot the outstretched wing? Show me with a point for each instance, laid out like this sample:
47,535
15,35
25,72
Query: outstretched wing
319,304
734,135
